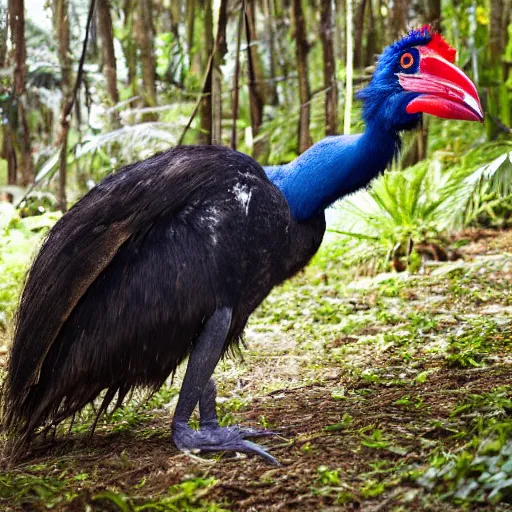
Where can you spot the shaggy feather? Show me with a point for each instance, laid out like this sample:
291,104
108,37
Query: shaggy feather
127,278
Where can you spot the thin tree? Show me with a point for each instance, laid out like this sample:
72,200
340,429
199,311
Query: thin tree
17,27
498,102
4,24
397,19
205,109
61,26
191,16
221,49
358,33
331,90
105,32
302,50
144,33
7,151
236,76
433,11
349,69
129,45
270,42
258,92
372,36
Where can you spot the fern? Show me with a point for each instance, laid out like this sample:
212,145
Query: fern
426,200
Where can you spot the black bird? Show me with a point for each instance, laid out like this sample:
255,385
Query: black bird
169,257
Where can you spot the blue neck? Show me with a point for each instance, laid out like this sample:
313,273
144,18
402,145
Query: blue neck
333,168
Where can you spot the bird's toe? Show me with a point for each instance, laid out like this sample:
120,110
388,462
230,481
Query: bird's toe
219,439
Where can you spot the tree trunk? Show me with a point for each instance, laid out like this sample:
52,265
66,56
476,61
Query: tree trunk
340,42
358,34
144,34
4,24
129,47
205,108
257,87
498,103
397,19
331,94
236,77
105,32
270,41
302,49
61,24
191,5
372,45
17,26
350,70
432,11
220,52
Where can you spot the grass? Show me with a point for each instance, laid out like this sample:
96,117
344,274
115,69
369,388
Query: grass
387,393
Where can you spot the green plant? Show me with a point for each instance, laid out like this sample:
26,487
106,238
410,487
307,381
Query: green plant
422,203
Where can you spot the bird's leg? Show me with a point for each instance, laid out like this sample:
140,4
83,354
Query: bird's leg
202,362
208,414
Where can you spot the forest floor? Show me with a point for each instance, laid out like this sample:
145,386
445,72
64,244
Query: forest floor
387,393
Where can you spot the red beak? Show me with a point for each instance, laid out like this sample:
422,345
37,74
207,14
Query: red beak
445,90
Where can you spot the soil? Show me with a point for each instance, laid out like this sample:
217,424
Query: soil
359,409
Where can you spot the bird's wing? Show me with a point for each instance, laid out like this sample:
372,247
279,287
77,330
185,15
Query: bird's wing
84,241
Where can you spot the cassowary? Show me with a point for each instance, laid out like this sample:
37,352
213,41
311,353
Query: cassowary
168,257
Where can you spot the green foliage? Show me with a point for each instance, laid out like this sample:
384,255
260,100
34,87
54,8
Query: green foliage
18,240
423,203
481,470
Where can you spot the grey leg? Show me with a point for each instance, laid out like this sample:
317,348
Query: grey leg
196,384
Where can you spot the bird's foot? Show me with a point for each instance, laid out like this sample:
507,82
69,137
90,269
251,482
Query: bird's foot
213,438
245,432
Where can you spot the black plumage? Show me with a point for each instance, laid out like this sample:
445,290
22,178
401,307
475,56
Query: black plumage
169,257
126,280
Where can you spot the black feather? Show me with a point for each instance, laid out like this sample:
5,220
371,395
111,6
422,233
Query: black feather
126,280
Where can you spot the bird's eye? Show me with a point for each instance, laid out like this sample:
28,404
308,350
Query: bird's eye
406,60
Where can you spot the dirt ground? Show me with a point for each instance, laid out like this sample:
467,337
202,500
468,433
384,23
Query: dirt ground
367,384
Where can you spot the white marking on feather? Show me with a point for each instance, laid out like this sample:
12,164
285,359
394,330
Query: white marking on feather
243,194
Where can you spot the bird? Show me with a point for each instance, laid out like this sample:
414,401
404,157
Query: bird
167,258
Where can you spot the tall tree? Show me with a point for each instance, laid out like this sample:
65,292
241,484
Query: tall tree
302,50
129,46
221,49
61,26
397,19
350,68
236,77
331,90
144,33
360,8
432,11
17,27
105,32
498,98
4,17
258,92
372,36
205,109
270,41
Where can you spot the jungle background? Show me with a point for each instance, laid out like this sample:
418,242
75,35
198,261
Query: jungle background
384,367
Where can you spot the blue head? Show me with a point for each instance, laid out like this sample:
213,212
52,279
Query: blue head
415,75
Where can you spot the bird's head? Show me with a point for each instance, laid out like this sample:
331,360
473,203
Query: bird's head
417,75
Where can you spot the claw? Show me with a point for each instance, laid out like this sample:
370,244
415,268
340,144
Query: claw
218,439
